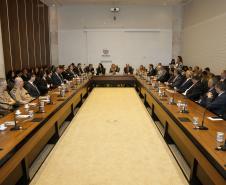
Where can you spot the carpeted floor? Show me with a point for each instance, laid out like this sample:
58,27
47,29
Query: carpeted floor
111,141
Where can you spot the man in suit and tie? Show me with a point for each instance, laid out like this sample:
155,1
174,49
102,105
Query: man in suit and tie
57,78
211,91
151,70
218,106
177,80
31,88
128,69
162,75
196,90
187,83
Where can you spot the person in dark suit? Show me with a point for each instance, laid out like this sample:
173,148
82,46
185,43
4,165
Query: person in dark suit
211,85
89,69
31,87
162,75
128,69
204,81
187,83
151,70
10,78
25,75
69,73
57,77
196,90
218,106
177,79
100,69
42,84
80,70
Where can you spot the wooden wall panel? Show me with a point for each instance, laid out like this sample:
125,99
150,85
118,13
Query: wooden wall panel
25,33
42,33
5,34
14,32
30,31
47,38
37,32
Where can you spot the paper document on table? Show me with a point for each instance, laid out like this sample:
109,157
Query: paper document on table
215,118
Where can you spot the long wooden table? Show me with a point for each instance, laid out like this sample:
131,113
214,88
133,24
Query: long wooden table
197,147
20,148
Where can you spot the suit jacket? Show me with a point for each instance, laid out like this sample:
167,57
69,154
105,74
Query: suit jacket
151,72
42,85
185,85
32,89
195,92
178,81
128,70
68,75
57,79
203,100
163,77
218,106
100,70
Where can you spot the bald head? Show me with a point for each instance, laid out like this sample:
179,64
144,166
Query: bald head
19,83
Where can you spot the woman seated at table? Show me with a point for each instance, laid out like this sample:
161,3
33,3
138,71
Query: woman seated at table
100,69
6,102
114,69
141,70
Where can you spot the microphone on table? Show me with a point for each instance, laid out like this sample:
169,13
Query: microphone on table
202,127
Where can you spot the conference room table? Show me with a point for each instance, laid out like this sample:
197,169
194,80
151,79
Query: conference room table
207,165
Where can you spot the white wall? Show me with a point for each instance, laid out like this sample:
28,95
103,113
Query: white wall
2,68
74,44
204,34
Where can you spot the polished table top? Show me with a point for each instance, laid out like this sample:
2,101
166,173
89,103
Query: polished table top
9,140
204,140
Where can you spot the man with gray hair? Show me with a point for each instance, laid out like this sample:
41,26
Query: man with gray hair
19,93
6,102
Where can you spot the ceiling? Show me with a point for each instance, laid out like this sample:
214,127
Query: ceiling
117,2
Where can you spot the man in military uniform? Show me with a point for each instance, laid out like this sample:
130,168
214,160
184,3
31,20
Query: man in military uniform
6,102
19,93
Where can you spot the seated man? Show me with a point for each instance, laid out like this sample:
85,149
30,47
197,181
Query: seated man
211,91
57,78
151,70
196,90
31,87
162,75
114,69
218,106
6,102
19,93
128,69
187,83
177,80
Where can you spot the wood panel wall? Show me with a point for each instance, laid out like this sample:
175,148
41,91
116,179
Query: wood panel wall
25,34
